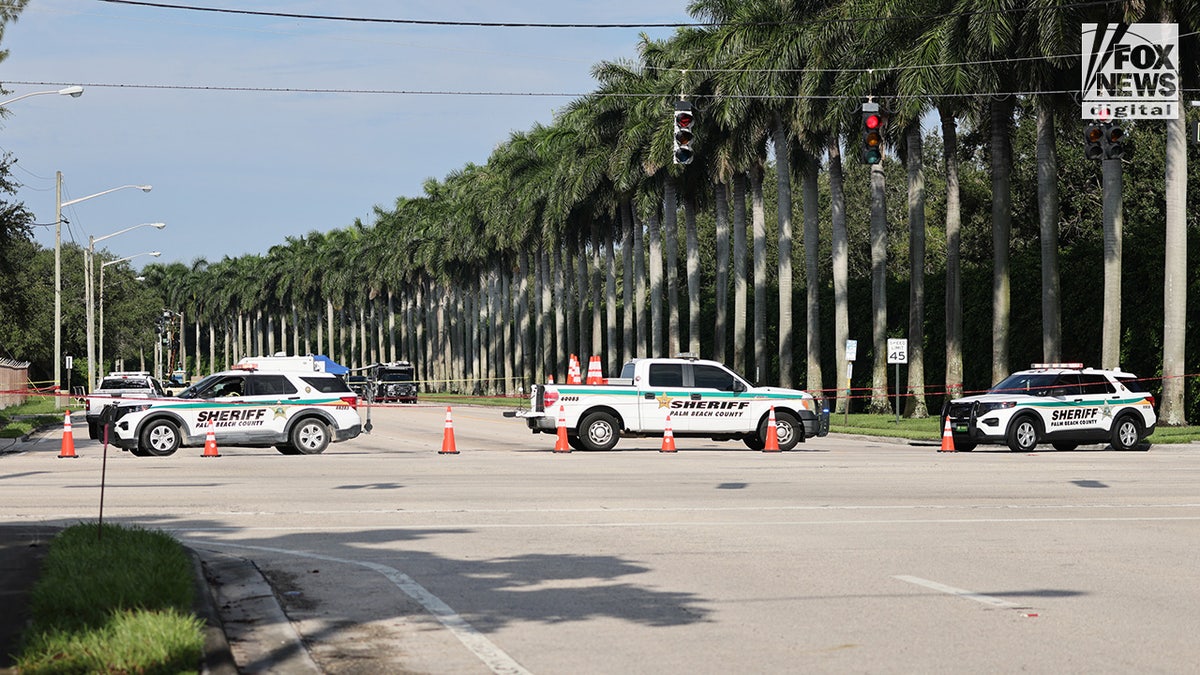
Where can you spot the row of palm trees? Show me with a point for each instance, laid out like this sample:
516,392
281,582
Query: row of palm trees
567,239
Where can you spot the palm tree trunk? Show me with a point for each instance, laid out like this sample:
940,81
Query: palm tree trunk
521,346
656,285
812,275
783,176
954,318
759,219
879,386
1001,118
721,292
597,294
547,327
1110,333
915,406
641,311
740,281
839,242
610,307
560,292
1047,183
628,280
1171,410
693,274
671,245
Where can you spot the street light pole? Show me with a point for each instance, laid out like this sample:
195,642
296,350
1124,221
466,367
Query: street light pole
89,274
100,350
58,207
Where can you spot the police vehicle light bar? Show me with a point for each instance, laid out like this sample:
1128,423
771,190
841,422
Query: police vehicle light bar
1055,365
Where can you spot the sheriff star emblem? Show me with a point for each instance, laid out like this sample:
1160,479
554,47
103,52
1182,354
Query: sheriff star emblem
279,412
1106,410
664,401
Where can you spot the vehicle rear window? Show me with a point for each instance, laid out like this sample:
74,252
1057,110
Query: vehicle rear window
327,385
271,385
1135,385
122,383
1096,384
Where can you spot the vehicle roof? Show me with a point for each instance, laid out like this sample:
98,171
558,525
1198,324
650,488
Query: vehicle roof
1058,368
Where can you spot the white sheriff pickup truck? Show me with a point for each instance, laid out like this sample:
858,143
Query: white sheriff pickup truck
703,398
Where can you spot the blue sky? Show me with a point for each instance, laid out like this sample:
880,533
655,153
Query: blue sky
236,172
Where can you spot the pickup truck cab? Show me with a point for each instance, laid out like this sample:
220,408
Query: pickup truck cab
702,398
118,385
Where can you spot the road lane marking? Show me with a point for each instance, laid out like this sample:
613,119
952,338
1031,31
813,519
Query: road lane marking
950,590
496,659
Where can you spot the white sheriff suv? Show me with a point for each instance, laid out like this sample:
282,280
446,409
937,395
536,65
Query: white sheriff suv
1063,404
286,401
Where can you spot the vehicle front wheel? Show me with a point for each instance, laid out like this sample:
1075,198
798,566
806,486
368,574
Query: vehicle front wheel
1023,434
159,438
285,449
788,429
1126,432
753,442
1065,447
599,431
310,436
93,430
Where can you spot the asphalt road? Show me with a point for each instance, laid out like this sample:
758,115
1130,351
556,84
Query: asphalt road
847,555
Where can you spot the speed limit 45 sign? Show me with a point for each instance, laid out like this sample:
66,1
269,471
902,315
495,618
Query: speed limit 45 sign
897,350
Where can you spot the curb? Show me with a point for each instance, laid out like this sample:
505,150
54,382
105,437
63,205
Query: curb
218,658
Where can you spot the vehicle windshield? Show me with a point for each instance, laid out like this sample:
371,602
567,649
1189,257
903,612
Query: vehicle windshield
1030,384
396,376
194,390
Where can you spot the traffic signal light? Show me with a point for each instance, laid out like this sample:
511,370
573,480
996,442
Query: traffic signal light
685,121
1114,141
872,134
1093,141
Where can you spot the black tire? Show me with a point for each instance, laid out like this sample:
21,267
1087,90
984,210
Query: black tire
753,442
93,430
574,442
159,438
285,449
788,429
1126,433
310,436
598,431
963,447
1023,433
1063,446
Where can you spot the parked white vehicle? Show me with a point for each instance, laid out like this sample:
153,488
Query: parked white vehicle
119,384
703,398
1063,404
288,402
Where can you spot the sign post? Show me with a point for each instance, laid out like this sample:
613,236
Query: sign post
897,351
851,355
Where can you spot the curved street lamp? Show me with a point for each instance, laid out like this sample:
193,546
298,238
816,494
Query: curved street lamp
58,207
89,274
74,92
154,254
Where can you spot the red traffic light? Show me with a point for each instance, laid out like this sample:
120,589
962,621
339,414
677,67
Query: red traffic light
683,120
871,121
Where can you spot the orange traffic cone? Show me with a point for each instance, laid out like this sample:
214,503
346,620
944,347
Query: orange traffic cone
668,437
573,374
561,444
448,447
947,438
68,438
595,373
210,441
772,442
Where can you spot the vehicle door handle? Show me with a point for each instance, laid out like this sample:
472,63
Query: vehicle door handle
293,398
649,396
695,397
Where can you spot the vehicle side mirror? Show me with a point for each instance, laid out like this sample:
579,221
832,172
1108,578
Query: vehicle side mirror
738,386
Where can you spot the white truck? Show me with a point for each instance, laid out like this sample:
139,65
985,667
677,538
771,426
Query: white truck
120,384
703,399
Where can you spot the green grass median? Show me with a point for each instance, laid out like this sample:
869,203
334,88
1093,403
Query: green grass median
116,600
